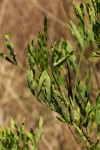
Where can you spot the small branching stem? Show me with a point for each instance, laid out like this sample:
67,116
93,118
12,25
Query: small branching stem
72,133
21,68
88,138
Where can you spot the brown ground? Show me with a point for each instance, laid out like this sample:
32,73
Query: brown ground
22,19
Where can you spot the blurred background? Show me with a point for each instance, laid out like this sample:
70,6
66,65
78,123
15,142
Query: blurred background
22,19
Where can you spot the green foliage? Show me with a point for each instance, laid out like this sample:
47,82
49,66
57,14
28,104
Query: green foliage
15,138
10,48
98,112
50,78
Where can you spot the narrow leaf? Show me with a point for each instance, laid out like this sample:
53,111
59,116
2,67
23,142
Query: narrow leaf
40,132
95,54
5,57
31,57
41,81
59,77
31,81
10,47
88,83
83,137
48,89
60,62
98,112
77,36
71,56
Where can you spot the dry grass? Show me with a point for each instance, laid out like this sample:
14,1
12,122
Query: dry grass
22,19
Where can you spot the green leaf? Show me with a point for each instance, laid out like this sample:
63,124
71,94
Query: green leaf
42,56
60,62
88,84
54,54
42,51
5,57
98,112
59,77
71,56
31,57
31,64
41,81
31,136
96,26
48,88
65,53
83,137
79,103
87,119
45,79
77,36
22,127
96,5
90,35
81,90
12,124
95,54
69,83
79,10
71,113
31,81
63,47
31,48
10,47
40,132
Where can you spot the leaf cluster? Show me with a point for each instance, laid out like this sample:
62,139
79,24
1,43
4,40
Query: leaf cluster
15,138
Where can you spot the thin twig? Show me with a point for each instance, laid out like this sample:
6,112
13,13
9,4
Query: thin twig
88,138
72,133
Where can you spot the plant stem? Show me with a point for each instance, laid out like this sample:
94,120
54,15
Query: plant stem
21,68
72,133
85,139
88,139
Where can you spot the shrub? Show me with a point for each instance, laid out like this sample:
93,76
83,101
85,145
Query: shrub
17,139
50,78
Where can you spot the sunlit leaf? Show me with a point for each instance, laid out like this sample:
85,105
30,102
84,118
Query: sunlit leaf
31,81
88,83
95,54
40,132
60,62
59,77
79,10
48,88
77,36
83,137
5,57
41,81
31,57
98,112
10,47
